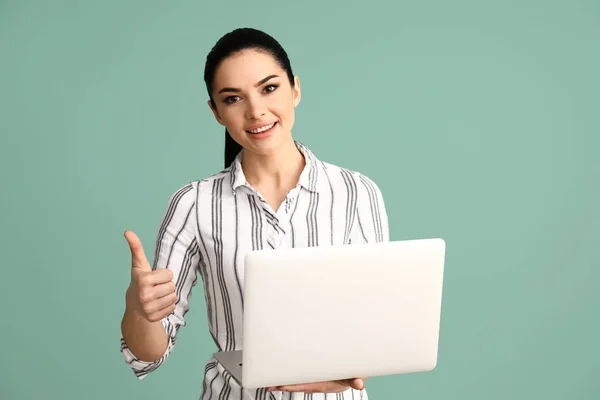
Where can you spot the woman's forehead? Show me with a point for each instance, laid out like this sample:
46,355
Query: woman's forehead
246,68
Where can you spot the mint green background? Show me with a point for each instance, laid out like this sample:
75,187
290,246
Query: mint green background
479,121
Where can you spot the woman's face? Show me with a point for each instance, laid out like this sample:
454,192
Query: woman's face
254,100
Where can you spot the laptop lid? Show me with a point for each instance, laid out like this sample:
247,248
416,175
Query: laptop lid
325,313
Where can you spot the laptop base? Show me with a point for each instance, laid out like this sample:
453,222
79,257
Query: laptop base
232,362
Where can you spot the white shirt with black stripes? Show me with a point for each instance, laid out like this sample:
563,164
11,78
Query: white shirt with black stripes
208,227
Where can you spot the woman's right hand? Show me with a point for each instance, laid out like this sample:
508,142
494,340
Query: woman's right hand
150,293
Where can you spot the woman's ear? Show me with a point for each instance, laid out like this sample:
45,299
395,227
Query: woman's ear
215,112
296,92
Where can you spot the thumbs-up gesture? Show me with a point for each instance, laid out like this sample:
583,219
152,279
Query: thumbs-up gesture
151,293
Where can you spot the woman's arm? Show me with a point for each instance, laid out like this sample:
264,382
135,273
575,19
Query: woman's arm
158,298
149,298
371,223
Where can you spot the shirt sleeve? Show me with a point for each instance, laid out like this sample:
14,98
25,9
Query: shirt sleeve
371,222
177,249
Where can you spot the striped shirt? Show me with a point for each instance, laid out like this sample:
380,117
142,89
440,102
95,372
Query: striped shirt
208,227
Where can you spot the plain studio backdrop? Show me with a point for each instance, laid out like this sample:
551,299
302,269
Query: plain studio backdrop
478,119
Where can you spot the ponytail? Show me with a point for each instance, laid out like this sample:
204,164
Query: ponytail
232,149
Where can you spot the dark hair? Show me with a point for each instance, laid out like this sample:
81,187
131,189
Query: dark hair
233,42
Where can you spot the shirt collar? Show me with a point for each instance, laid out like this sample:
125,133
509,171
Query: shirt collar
308,178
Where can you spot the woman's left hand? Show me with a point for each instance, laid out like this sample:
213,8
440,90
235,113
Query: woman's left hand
323,387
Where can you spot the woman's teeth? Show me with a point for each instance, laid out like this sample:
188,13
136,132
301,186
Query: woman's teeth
264,128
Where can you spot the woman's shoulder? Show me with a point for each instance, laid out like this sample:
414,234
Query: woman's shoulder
222,175
340,174
191,189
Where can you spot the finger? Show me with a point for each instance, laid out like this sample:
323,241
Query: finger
320,387
164,289
157,305
157,316
148,292
138,258
157,277
356,383
297,388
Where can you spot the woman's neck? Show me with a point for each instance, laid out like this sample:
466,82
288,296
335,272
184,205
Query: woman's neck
278,171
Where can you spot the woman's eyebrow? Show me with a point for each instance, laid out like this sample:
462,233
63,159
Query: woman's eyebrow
236,90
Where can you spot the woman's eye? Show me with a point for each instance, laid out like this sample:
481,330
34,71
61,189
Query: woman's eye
231,99
270,88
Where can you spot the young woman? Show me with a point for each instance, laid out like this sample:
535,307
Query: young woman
274,192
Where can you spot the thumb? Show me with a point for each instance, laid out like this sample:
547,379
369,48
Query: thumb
138,257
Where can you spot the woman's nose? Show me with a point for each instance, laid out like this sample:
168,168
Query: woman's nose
256,109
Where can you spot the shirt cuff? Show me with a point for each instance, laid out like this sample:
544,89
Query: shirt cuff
142,368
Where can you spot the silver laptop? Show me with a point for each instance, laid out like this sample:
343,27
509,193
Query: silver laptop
336,312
